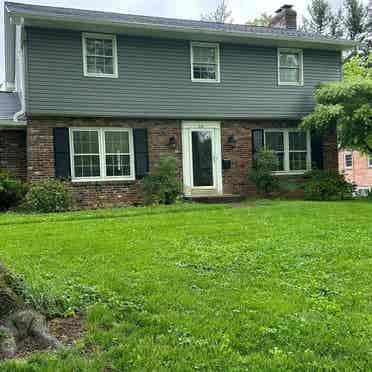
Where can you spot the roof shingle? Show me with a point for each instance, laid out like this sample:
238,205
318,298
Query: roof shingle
118,18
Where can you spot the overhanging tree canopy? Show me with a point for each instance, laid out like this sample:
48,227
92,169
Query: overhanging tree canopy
346,106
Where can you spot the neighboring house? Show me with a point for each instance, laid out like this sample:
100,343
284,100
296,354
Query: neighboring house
357,169
100,96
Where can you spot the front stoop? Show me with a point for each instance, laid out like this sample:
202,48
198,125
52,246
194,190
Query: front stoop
212,199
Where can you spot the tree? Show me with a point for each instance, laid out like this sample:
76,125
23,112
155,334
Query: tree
222,14
358,68
346,106
355,20
336,23
320,17
263,20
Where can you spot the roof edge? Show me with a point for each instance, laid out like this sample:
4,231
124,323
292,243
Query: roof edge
339,44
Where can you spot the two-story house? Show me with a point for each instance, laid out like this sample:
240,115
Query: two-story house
97,97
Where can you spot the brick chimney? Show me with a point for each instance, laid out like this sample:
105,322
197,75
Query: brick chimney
285,17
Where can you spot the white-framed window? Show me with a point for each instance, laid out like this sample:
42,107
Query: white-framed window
370,161
290,67
348,158
292,147
99,154
205,62
100,55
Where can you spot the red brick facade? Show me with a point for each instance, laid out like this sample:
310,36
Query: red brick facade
13,152
361,171
40,155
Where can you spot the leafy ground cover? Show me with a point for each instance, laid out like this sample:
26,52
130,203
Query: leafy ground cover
271,286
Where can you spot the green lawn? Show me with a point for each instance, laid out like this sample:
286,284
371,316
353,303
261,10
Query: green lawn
277,286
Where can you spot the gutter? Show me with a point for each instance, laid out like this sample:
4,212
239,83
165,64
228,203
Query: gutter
10,124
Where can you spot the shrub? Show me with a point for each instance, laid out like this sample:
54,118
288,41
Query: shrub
261,173
162,185
327,185
12,191
47,196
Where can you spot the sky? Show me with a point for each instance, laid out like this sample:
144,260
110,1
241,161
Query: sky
242,10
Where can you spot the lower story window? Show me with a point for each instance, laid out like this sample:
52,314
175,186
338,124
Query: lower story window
102,154
292,148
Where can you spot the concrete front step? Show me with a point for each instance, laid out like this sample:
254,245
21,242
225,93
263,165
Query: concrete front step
226,198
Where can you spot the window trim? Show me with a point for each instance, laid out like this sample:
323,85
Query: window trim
301,56
286,132
352,160
206,45
369,160
102,155
112,37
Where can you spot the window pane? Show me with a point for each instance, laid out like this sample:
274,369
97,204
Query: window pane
297,161
99,47
204,54
348,161
280,156
274,141
108,48
117,165
289,75
297,141
370,161
289,59
86,142
108,66
205,72
91,64
117,142
90,46
87,166
100,65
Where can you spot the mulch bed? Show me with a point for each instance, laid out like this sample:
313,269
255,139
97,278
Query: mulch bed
67,330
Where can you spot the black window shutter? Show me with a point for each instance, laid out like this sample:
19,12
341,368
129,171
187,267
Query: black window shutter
316,151
257,141
141,156
61,153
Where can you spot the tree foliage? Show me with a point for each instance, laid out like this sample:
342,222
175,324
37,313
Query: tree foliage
355,19
358,68
222,14
263,20
320,16
346,106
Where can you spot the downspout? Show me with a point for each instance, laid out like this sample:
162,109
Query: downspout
20,56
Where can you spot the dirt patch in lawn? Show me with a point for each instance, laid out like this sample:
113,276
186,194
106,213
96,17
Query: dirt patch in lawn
66,330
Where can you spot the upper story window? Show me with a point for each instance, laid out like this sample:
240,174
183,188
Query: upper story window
370,161
205,62
100,55
292,147
348,160
290,66
101,154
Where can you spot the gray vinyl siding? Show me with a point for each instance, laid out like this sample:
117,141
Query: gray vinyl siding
155,80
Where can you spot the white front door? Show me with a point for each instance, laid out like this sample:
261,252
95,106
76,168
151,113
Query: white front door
201,145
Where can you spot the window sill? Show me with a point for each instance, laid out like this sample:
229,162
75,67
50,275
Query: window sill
291,173
114,76
291,84
205,81
103,180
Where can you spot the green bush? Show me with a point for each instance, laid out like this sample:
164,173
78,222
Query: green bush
327,185
161,185
47,197
261,173
12,191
